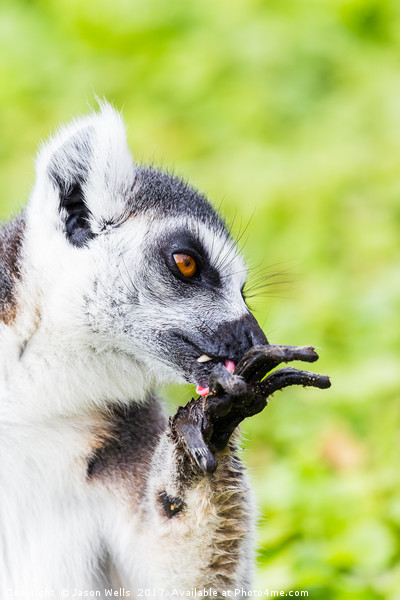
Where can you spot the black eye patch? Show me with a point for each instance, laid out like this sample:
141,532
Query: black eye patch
182,242
172,506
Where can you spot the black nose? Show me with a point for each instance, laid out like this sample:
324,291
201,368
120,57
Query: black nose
234,338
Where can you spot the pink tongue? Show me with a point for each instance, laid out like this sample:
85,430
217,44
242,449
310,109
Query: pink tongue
204,391
230,366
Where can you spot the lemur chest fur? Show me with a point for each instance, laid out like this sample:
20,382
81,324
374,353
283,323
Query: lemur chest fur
37,516
91,462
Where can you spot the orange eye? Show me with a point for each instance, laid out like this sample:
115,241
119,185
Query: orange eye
186,264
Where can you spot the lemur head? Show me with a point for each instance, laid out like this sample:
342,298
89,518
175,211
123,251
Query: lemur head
135,261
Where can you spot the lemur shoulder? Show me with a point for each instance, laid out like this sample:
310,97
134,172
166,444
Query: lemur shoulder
116,279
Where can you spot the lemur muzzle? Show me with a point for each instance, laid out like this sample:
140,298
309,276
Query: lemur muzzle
234,338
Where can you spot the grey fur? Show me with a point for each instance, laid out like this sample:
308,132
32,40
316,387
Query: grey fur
11,244
162,194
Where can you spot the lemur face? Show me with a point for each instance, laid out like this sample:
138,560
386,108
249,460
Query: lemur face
186,290
152,272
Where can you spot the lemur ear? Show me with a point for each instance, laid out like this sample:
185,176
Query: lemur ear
89,167
68,169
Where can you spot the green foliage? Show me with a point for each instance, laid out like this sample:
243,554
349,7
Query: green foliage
289,113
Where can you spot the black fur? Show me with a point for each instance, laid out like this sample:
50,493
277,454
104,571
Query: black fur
77,223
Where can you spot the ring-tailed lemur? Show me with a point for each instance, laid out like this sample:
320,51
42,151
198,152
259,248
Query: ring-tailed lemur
115,279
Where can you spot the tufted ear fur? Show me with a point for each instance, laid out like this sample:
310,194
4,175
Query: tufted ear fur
86,174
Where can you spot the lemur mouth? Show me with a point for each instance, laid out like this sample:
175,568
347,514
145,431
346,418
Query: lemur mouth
196,355
228,364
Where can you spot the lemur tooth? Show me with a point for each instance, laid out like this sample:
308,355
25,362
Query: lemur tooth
204,358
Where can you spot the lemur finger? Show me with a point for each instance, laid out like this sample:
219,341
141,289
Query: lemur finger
261,359
257,399
198,448
221,380
188,427
289,376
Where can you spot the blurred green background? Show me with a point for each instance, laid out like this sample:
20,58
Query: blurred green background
288,112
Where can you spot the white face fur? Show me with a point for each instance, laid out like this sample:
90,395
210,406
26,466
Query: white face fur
104,234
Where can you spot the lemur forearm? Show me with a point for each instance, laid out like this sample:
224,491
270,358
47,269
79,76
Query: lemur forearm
196,528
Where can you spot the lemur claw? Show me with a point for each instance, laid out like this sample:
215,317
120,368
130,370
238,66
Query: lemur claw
205,425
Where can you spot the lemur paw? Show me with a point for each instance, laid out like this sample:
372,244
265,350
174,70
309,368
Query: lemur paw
204,426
